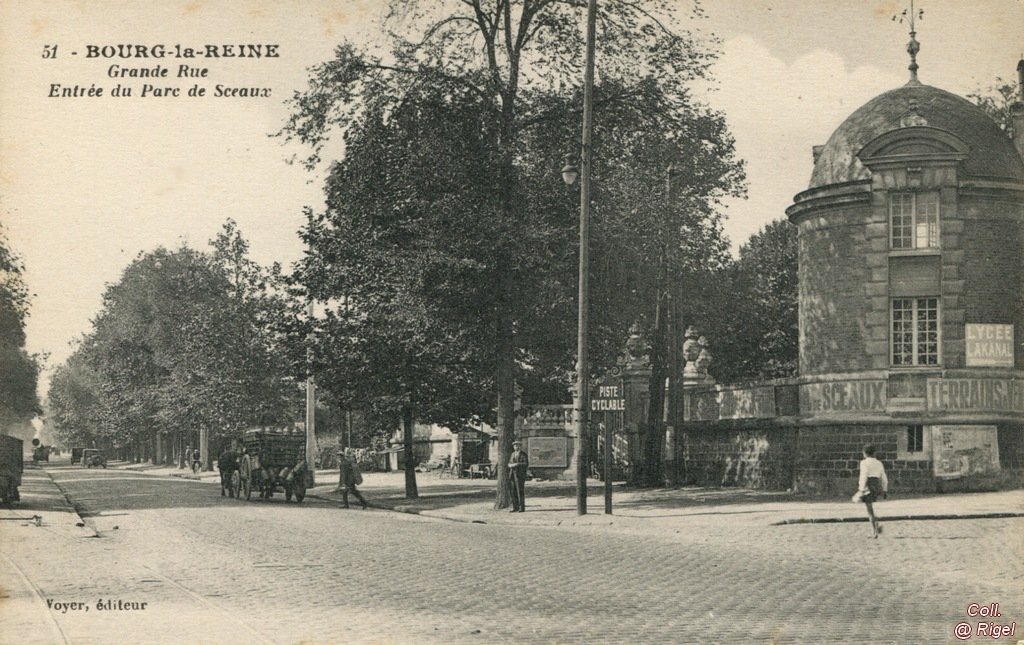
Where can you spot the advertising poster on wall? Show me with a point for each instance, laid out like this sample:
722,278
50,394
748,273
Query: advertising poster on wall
547,452
962,451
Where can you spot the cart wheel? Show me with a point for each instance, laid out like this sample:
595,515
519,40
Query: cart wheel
235,486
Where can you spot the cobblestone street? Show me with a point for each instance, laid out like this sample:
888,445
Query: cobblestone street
213,569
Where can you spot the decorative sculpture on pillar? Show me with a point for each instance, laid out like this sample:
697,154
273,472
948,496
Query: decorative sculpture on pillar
637,354
704,358
697,357
691,351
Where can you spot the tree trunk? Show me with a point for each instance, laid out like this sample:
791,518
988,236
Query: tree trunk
410,454
204,448
505,367
654,431
506,413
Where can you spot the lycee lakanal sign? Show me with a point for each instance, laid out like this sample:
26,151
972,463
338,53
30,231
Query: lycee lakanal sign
975,395
607,398
843,397
989,345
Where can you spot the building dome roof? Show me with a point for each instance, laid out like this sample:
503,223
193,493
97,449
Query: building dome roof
991,152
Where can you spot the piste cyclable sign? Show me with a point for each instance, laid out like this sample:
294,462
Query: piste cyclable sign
607,398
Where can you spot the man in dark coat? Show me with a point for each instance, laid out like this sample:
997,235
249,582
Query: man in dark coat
227,464
518,464
349,478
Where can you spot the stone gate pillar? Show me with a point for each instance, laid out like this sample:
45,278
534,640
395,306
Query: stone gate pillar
636,383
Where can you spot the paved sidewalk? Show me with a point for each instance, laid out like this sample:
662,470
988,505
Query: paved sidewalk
653,511
28,530
42,498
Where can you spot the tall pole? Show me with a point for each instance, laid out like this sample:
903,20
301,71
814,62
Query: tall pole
608,462
310,403
582,365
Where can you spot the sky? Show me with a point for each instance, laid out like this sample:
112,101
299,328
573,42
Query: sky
86,184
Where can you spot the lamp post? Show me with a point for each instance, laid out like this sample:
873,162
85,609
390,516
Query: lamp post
581,398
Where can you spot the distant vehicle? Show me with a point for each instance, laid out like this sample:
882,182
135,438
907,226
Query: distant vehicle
91,457
41,453
12,464
76,455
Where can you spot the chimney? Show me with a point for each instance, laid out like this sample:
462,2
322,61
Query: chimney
1017,112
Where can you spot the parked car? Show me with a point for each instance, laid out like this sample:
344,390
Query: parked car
92,457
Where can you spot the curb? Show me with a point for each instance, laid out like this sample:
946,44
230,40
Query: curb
441,515
821,520
81,523
898,518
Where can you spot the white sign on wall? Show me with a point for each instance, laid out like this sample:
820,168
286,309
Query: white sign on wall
959,451
989,345
547,451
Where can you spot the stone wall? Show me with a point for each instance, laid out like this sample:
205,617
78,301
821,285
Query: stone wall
824,460
829,457
757,458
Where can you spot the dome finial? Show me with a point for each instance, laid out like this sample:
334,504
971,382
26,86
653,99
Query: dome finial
910,16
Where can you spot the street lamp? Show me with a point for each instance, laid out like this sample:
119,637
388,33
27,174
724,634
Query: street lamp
569,171
581,399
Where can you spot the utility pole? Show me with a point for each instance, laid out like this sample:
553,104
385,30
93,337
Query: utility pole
310,402
582,363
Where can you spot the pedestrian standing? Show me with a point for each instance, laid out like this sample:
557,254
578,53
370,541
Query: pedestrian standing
348,478
871,486
518,464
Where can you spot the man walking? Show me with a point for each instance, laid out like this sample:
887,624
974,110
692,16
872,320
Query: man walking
348,478
518,463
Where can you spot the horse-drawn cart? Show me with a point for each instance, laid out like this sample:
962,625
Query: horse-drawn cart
272,461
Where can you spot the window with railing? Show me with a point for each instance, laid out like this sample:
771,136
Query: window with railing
914,220
915,331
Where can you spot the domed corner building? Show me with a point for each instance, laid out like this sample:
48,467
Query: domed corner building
911,297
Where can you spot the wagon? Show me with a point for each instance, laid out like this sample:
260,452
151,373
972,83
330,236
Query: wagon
12,463
273,461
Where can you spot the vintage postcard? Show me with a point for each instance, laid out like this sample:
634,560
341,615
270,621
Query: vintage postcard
466,321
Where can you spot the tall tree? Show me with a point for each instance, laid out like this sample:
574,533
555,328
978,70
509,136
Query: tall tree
513,60
19,371
766,278
996,100
181,345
